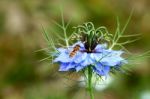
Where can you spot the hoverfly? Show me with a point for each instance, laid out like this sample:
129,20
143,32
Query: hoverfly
74,51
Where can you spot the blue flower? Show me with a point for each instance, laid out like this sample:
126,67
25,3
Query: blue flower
101,59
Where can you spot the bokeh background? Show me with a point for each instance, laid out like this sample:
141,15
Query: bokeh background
24,76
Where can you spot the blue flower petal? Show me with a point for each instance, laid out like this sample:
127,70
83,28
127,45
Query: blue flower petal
62,50
88,61
101,69
66,66
80,57
96,56
79,67
111,61
63,57
100,47
109,57
63,67
79,43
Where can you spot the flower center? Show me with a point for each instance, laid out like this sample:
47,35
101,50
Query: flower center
90,47
90,43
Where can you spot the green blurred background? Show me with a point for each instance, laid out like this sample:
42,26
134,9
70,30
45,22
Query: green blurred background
24,76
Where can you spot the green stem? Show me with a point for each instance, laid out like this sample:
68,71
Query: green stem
64,29
90,87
